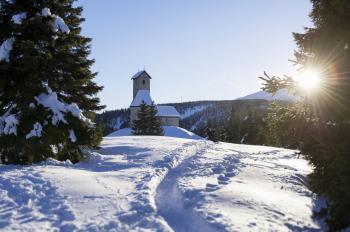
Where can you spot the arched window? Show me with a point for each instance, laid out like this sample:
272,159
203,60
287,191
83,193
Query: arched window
143,82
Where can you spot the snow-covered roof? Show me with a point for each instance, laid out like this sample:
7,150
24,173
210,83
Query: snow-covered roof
167,111
142,96
141,73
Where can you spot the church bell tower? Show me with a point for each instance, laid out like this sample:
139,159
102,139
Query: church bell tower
141,81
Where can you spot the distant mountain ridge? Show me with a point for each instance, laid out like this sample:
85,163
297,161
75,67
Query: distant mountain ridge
281,95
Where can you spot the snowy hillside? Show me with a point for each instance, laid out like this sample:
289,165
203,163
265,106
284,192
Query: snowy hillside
142,183
188,112
281,95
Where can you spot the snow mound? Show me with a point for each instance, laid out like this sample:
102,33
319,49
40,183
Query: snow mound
121,132
170,131
173,131
281,95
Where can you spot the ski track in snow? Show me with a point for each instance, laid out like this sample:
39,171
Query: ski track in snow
181,208
143,212
170,201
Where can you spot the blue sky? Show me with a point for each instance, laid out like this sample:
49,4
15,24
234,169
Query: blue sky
193,49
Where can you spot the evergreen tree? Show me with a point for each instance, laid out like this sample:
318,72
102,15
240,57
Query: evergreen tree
46,87
320,123
211,132
232,128
253,129
154,125
140,125
147,122
282,126
248,130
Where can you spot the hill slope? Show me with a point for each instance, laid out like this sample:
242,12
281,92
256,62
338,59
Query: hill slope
161,184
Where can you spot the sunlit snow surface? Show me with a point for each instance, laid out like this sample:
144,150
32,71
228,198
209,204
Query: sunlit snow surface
145,183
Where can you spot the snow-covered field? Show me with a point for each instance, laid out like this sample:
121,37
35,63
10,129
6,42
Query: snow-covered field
155,183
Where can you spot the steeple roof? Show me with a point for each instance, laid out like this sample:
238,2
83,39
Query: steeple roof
142,73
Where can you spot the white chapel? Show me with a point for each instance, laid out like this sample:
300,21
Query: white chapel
168,115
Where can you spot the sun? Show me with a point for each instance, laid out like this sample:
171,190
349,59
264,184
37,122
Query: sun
308,80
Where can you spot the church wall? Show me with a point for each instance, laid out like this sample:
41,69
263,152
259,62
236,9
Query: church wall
169,121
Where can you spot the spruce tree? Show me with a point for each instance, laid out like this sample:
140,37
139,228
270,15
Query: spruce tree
154,125
140,125
47,91
320,123
232,127
211,132
253,128
282,125
147,122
